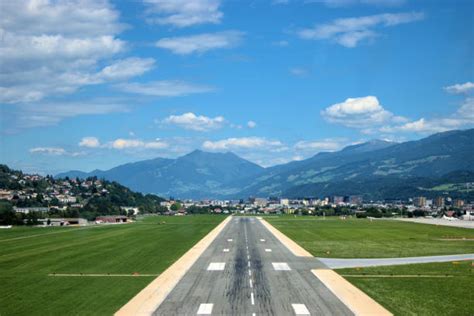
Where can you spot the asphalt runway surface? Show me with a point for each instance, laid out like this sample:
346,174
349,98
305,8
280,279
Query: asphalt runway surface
247,271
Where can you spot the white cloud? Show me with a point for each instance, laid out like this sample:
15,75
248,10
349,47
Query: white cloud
345,3
298,71
281,43
90,142
55,47
200,43
53,151
164,88
463,117
361,113
349,32
51,113
126,68
329,144
460,88
251,124
184,13
121,143
243,143
195,122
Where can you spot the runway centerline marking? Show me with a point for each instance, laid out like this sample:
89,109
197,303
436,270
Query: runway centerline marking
281,266
216,266
250,282
250,272
205,309
300,309
268,250
226,250
252,299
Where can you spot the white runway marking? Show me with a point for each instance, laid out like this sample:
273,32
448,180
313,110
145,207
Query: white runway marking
251,284
205,309
281,266
262,239
300,309
248,257
216,266
252,299
226,250
230,239
250,272
268,250
248,264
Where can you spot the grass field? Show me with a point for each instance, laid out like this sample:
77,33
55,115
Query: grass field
443,289
29,255
361,238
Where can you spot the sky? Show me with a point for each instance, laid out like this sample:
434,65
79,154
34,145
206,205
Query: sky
92,84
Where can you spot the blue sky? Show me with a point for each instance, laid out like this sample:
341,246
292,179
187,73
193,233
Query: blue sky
94,84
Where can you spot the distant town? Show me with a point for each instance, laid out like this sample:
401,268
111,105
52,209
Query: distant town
44,200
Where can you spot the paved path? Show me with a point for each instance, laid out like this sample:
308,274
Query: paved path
355,263
247,271
439,221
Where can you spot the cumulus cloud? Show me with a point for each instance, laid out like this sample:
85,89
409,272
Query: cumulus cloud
460,88
121,143
200,43
195,122
349,32
183,13
361,113
243,143
90,142
251,124
53,151
55,47
463,117
164,88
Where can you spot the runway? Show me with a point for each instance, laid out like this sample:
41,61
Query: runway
247,271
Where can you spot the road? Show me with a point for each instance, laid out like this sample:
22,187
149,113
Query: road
247,271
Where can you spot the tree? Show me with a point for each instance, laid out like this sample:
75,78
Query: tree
175,206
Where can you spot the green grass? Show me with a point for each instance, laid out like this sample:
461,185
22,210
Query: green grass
28,255
362,238
420,296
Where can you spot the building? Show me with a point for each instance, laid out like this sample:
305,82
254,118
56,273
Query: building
458,203
284,202
63,221
27,210
419,201
355,199
260,202
439,201
111,219
338,200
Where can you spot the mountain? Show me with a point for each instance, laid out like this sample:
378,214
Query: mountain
375,169
363,168
196,175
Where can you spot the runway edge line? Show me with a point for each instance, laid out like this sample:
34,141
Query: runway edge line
151,297
357,301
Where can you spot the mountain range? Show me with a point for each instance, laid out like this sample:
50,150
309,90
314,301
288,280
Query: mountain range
442,163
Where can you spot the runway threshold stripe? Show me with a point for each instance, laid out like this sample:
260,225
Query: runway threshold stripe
300,309
268,250
205,309
226,250
216,266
